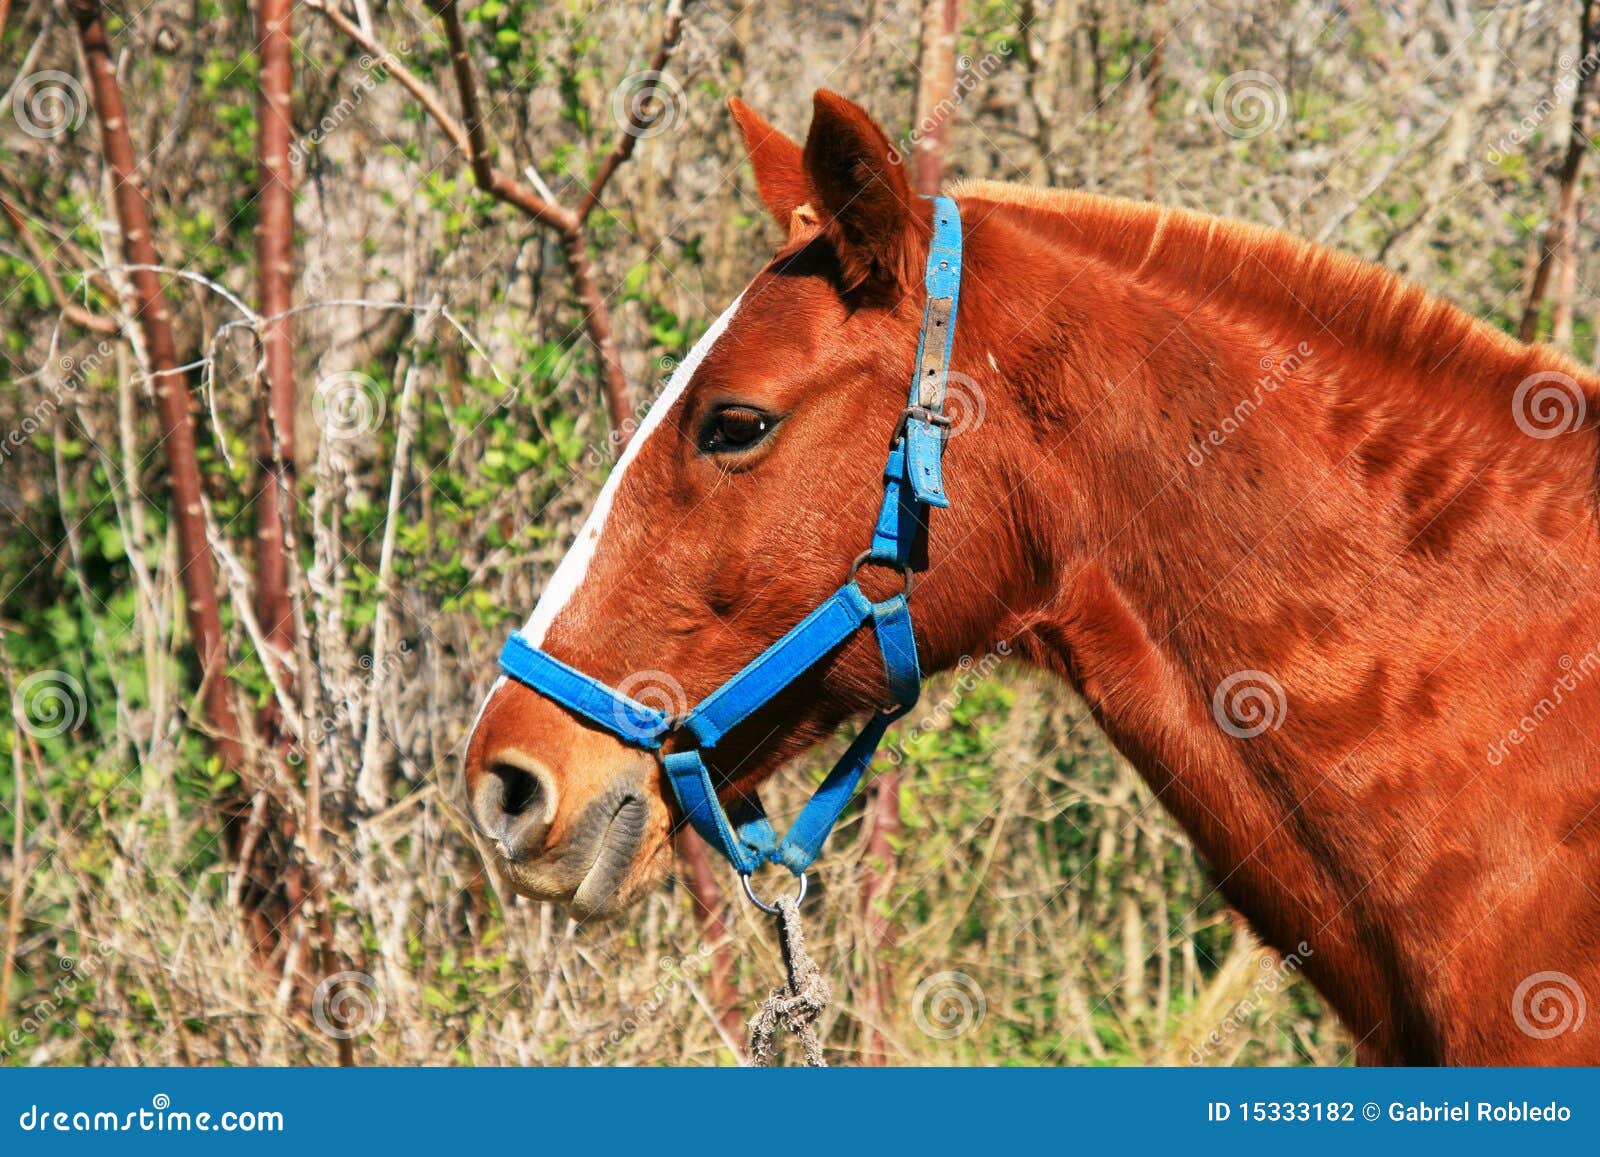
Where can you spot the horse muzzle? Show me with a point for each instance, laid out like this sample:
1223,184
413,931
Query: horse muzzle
591,857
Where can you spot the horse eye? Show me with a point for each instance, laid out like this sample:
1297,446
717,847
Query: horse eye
734,428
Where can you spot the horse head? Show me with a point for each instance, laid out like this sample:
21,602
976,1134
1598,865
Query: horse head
738,507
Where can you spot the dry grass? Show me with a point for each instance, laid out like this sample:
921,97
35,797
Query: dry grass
1043,911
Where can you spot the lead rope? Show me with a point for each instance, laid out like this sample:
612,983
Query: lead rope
795,1006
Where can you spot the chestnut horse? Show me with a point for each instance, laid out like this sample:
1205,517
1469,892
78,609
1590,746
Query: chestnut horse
1318,550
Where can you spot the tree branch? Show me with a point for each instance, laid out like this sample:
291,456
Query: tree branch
70,309
628,137
471,138
1558,246
426,96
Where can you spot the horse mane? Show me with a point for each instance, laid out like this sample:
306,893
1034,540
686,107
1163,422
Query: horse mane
1283,279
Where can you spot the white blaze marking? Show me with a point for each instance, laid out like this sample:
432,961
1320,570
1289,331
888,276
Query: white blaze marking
569,576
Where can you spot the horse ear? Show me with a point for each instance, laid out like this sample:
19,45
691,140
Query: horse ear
861,181
780,169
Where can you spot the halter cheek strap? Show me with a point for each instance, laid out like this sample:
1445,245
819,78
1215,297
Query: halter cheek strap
913,482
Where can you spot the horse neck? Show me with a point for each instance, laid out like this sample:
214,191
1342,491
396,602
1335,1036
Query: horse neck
1262,510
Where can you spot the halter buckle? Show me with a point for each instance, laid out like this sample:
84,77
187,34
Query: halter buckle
923,414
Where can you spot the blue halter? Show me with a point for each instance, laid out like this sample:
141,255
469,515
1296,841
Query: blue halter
912,482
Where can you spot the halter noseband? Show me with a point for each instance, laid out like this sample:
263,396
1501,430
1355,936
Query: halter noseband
912,482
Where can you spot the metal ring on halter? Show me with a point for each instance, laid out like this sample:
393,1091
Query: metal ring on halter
799,896
864,556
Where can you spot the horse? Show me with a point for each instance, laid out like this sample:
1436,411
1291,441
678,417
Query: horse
1318,550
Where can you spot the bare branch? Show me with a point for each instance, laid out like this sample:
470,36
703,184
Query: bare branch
1558,248
426,96
628,137
471,138
70,309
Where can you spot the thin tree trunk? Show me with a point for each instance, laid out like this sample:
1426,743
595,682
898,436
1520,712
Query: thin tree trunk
1566,279
941,26
275,274
1152,101
1097,58
862,56
19,830
597,320
172,396
877,866
1043,71
1559,249
1133,955
268,887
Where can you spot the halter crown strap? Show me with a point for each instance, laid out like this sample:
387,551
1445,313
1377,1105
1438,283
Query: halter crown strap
913,478
913,481
924,438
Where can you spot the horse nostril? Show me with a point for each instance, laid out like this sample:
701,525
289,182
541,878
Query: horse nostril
514,805
520,791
